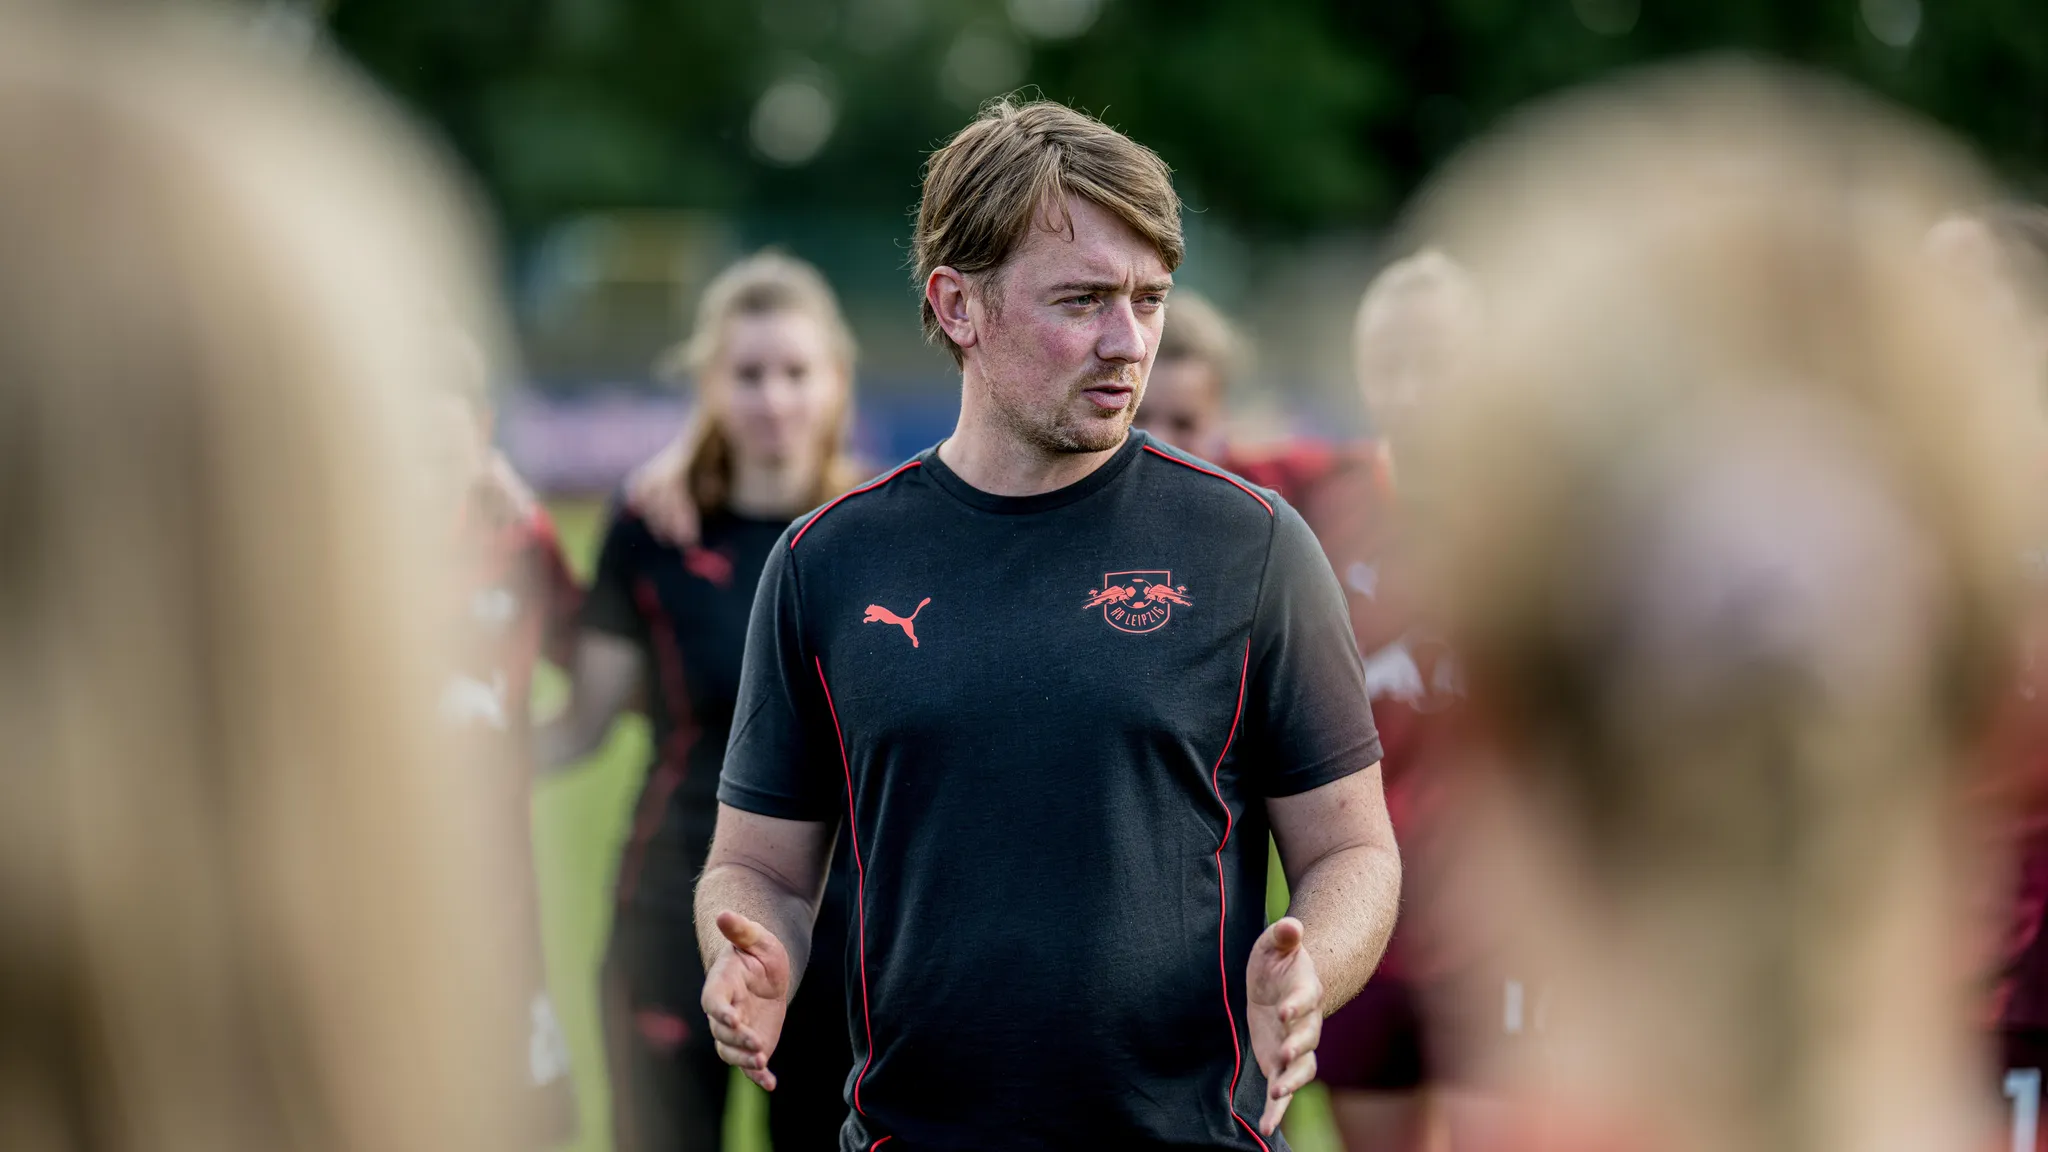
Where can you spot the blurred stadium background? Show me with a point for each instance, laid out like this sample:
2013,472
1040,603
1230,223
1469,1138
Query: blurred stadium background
628,148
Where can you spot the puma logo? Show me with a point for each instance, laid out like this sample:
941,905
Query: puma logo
880,615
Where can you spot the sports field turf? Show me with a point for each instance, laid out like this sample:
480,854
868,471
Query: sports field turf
580,821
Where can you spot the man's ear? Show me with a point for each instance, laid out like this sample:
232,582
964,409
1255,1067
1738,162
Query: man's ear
946,291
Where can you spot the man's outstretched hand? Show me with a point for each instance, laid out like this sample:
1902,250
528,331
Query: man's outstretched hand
746,995
1284,1006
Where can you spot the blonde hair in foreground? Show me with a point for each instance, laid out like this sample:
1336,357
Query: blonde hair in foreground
1727,509
238,907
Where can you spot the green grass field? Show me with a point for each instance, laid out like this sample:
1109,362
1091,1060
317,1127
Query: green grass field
580,821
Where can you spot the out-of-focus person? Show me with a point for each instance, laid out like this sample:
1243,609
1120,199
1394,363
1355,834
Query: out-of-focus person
1378,1056
772,360
516,602
2000,252
1186,398
1722,520
245,902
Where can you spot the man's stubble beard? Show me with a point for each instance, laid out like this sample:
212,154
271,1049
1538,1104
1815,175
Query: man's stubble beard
1059,435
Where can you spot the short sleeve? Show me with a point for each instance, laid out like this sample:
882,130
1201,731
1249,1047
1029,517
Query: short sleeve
783,757
1308,716
609,606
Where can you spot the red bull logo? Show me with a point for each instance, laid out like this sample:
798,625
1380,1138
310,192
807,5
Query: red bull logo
1137,601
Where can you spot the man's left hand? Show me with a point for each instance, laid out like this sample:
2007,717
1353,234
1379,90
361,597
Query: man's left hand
1284,1007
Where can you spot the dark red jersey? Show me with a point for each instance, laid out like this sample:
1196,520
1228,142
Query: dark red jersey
519,603
2012,802
1346,494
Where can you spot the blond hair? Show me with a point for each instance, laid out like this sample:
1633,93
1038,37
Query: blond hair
1197,332
1726,514
766,283
1015,165
239,910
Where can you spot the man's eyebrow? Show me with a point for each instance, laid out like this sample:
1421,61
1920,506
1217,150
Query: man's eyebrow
1106,286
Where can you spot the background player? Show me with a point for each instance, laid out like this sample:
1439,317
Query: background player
1377,1055
245,902
517,602
1391,1056
1058,682
772,360
2000,253
1729,504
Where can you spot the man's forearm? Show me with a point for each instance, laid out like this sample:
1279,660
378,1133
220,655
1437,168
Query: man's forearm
1347,902
774,904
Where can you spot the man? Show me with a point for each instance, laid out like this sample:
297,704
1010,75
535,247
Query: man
1059,682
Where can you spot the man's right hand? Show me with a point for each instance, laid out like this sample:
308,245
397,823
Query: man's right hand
746,996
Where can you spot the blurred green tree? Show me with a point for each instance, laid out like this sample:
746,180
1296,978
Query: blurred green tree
1281,116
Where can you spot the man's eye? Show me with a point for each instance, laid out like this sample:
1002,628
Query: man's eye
1086,299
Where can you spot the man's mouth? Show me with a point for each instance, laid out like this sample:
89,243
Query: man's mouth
1110,395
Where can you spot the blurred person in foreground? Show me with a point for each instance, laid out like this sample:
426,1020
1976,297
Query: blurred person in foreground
2001,252
1057,682
516,602
246,901
1721,519
772,359
1377,1055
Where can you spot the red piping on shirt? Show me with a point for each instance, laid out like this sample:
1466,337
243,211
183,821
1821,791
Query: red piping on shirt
861,873
867,487
1248,490
675,756
879,1143
1222,891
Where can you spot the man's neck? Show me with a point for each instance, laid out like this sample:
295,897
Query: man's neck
772,490
994,460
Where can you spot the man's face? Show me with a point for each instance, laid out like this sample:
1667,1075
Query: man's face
1184,406
1063,353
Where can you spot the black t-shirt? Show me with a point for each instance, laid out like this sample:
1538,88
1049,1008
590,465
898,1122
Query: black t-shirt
686,609
1054,720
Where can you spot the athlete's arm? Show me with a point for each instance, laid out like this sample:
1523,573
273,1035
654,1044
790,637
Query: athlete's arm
1344,874
604,675
1344,878
756,903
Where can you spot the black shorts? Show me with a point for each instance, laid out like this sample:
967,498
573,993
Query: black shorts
1397,1036
668,1084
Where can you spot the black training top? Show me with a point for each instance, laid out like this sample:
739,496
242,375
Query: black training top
1054,720
686,609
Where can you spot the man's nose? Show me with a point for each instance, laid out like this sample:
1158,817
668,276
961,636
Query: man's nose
1123,335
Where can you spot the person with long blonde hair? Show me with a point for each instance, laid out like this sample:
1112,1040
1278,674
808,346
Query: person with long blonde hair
244,905
772,361
1725,518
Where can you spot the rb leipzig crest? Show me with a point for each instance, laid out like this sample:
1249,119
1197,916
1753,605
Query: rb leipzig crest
1137,601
